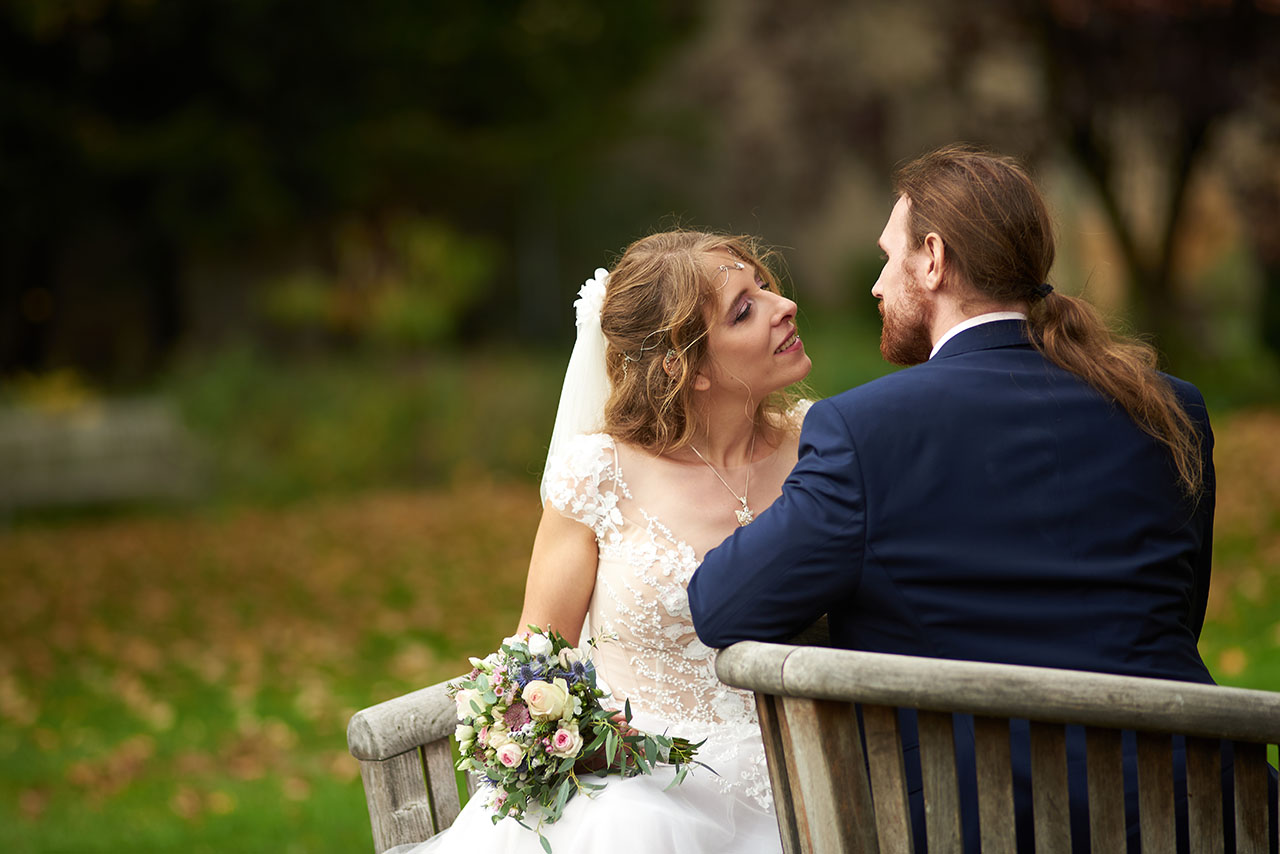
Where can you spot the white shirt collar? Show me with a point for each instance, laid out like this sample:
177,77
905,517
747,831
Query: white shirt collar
978,320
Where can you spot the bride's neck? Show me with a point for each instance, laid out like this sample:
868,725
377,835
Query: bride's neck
730,437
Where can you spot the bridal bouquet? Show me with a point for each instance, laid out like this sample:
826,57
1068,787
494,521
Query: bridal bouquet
531,724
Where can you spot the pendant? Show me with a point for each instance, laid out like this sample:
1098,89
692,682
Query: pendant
745,516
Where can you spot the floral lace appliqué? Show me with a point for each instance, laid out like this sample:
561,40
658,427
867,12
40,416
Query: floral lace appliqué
640,595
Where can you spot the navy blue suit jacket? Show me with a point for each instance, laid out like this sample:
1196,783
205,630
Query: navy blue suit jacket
985,505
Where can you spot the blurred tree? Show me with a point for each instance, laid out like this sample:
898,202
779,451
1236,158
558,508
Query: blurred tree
1133,92
1252,161
1157,80
137,137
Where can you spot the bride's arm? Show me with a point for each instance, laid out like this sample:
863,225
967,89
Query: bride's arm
562,575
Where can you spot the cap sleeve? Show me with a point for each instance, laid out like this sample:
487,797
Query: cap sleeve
582,482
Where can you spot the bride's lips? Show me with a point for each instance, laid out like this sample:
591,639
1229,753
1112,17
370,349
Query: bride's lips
789,344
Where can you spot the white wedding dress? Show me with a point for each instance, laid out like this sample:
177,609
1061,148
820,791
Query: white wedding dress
668,674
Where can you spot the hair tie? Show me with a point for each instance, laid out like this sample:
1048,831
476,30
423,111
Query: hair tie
1044,289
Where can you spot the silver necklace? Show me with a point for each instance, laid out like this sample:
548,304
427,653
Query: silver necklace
745,516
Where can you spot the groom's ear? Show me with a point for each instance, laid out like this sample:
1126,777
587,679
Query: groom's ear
935,256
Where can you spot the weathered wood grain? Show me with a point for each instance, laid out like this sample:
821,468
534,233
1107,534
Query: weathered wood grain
784,808
1155,792
1204,795
442,783
888,778
1049,800
941,792
759,664
995,785
391,728
792,767
830,772
396,792
1251,798
979,688
1105,762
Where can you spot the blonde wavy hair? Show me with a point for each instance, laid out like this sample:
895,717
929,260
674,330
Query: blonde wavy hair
654,303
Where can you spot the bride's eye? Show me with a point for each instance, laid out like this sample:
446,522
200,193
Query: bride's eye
743,312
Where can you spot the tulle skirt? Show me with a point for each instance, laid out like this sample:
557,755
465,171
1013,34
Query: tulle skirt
706,814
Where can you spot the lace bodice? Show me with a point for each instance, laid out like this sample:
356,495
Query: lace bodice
640,595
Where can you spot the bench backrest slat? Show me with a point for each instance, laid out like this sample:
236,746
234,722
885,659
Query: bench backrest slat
1105,758
1251,794
809,699
399,806
888,778
1049,803
995,784
1155,792
941,792
406,763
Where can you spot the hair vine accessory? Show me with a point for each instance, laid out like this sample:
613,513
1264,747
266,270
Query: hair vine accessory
1043,289
644,345
745,516
725,268
669,362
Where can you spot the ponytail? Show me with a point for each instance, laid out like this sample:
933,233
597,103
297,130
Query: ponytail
1070,333
999,240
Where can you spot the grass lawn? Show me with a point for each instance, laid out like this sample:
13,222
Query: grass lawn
183,682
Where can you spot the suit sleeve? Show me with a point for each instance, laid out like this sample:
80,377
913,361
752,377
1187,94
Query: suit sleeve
775,576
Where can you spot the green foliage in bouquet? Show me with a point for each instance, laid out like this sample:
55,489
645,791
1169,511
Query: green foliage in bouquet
532,730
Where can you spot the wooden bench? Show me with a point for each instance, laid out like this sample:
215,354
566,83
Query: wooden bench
406,763
832,796
95,453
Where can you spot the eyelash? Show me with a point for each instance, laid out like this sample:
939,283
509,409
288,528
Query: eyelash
746,308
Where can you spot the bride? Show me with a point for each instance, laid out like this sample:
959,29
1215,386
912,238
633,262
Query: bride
673,429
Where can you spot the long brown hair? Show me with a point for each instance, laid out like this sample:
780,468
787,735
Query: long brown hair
998,237
654,304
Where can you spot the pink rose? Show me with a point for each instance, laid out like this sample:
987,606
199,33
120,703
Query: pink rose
566,742
510,754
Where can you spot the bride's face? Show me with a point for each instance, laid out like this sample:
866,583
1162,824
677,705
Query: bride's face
752,341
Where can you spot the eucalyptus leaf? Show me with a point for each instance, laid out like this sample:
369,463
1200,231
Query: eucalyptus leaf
679,778
562,796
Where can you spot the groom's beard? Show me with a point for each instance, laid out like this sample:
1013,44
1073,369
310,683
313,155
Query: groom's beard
904,335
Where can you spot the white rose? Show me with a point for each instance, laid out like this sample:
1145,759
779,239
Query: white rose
539,645
465,698
463,733
546,701
496,735
570,656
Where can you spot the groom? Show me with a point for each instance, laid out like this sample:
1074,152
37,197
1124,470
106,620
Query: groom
1031,491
